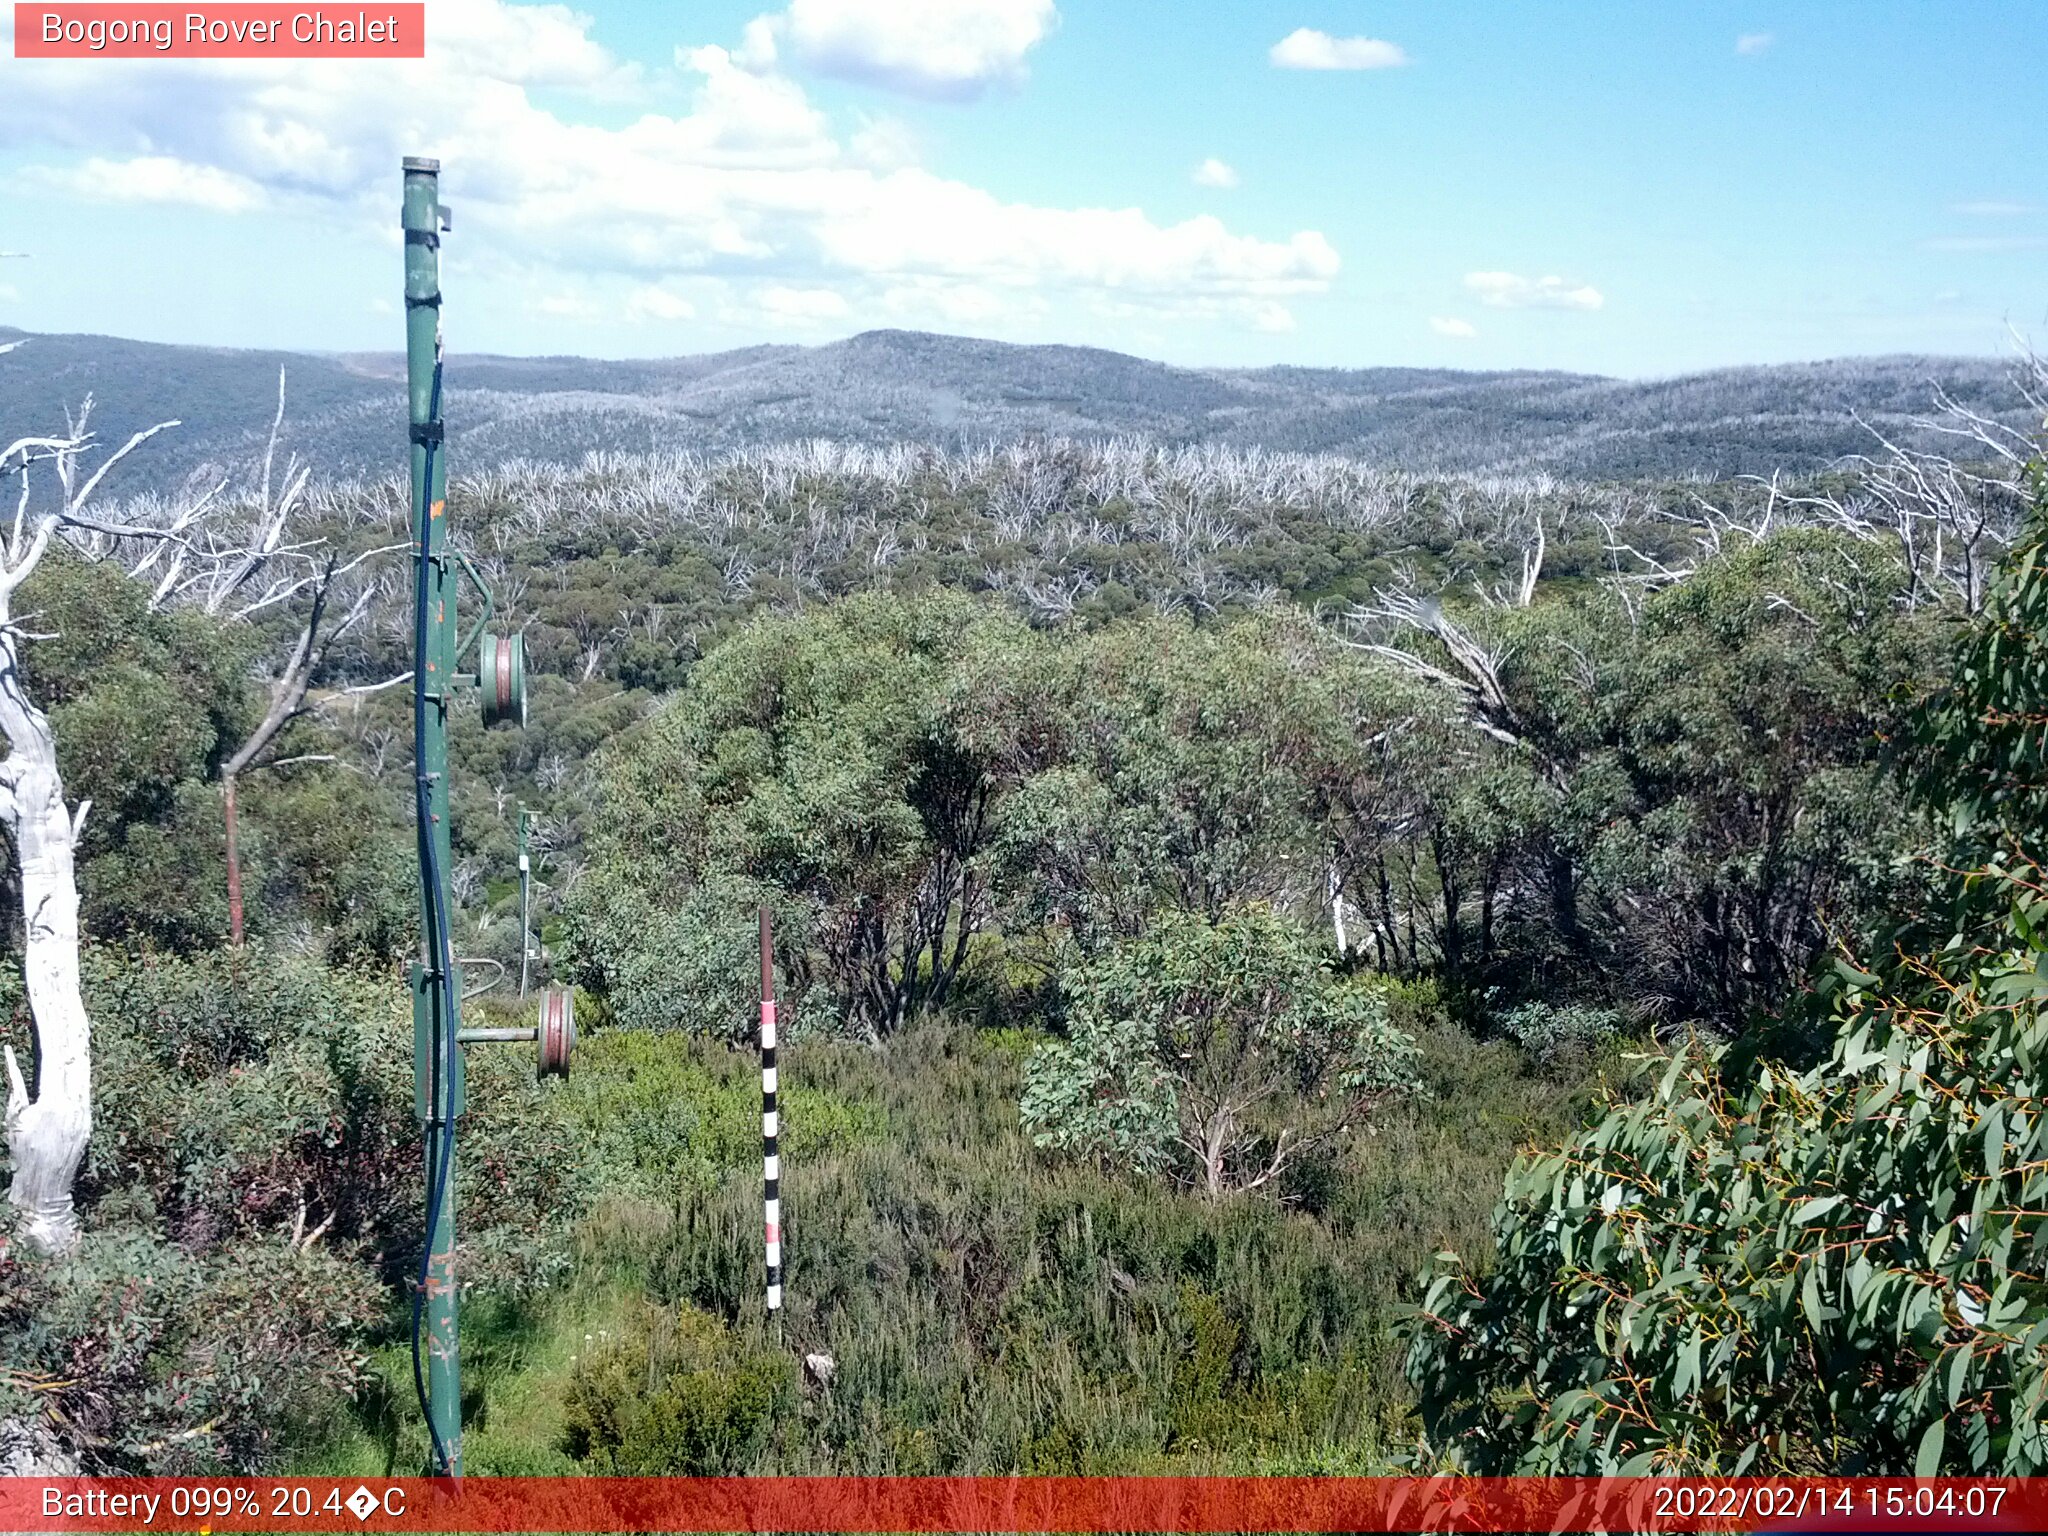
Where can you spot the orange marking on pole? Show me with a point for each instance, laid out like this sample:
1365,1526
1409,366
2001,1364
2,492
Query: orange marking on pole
436,509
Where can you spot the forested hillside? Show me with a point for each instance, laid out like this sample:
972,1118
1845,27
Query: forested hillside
1206,877
882,388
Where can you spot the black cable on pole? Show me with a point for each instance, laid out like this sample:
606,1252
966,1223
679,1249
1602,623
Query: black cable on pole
441,967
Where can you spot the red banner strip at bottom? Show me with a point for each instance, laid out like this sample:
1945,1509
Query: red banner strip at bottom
1003,1504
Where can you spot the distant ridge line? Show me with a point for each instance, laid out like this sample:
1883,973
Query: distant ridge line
886,386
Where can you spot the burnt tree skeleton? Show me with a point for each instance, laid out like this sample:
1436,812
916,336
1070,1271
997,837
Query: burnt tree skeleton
223,581
47,1129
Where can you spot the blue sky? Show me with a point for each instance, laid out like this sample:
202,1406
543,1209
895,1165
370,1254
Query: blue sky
1626,188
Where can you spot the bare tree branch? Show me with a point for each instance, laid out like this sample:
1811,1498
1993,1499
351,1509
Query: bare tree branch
1474,672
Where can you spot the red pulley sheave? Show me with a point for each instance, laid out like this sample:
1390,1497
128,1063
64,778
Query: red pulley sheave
557,1030
501,678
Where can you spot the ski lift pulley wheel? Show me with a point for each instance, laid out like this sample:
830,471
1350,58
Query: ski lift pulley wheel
501,678
557,1030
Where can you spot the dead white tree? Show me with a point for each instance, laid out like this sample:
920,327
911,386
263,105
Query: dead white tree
1712,530
1385,628
47,1130
1523,592
1953,512
245,559
1950,511
287,703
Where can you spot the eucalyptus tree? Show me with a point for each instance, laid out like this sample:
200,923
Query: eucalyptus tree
1218,1051
824,757
47,1130
1162,765
1765,1266
1673,795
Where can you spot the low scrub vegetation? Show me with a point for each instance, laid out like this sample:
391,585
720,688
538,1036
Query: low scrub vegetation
1279,964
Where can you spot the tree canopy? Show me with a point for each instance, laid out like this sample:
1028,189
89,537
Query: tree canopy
1759,1268
1219,1050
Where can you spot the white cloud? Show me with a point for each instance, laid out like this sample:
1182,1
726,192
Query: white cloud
883,143
1505,290
656,303
1444,325
913,221
959,303
1214,173
748,181
149,179
568,305
1305,48
547,45
1273,319
1996,209
9,293
944,50
757,49
802,306
1750,44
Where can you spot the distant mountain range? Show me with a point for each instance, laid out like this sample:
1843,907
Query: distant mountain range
347,412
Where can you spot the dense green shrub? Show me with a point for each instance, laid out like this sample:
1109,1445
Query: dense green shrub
252,1191
1219,1052
818,757
1549,1031
677,1394
144,705
691,963
1161,765
1750,716
1665,804
656,1118
1662,808
1762,1268
250,1095
173,1357
322,847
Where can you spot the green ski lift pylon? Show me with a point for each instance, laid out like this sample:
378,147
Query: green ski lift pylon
439,647
436,989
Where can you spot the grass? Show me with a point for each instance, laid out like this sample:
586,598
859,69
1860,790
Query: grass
989,1309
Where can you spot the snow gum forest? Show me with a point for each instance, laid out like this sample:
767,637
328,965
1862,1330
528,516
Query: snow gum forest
1524,957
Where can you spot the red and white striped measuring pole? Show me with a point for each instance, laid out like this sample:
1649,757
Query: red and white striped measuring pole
771,1159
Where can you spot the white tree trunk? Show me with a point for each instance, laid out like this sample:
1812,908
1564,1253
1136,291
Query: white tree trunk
1336,889
47,1134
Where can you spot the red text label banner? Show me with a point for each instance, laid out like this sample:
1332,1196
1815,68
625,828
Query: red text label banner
1021,1504
238,31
